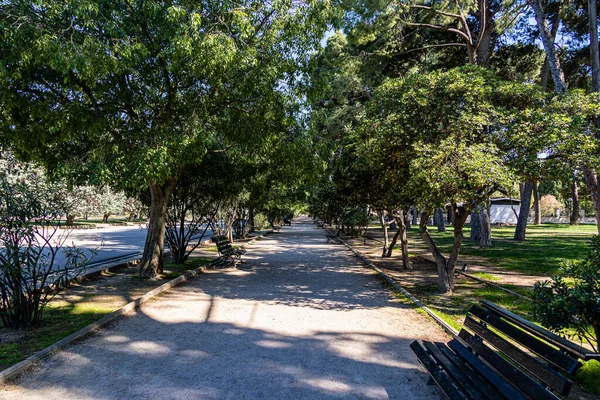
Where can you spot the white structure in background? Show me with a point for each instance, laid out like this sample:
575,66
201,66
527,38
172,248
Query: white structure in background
504,210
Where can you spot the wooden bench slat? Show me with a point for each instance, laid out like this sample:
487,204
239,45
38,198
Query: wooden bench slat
574,349
486,372
515,376
549,353
440,376
550,377
462,375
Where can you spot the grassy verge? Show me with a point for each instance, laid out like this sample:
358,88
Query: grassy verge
74,311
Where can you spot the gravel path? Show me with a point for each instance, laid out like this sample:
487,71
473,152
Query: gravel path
300,319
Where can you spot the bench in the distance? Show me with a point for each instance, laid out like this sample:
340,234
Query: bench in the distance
226,251
499,355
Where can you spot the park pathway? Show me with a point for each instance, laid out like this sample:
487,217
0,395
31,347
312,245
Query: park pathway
300,319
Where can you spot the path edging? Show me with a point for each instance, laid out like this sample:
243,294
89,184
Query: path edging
20,367
445,326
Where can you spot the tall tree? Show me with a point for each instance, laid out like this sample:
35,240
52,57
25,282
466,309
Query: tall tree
130,93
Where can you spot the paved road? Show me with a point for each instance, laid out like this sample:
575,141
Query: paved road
301,319
108,242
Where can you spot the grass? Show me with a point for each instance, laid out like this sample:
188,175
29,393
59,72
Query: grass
588,376
485,276
547,245
59,322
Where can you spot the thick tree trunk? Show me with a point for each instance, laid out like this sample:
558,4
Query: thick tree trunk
475,226
484,46
521,228
153,258
486,232
251,219
415,214
70,220
574,217
445,266
551,55
594,51
536,204
591,175
439,220
105,218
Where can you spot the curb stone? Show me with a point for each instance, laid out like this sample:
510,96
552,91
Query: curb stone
445,326
17,369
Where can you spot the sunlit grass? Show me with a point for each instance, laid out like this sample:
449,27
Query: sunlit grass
546,247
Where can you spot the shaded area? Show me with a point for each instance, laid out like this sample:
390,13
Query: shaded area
300,319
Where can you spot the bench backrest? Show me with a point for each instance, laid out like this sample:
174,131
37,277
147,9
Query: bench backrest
222,242
527,355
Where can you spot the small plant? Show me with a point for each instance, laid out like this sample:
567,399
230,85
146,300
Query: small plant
571,300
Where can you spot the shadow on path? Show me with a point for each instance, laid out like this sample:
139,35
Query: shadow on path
299,320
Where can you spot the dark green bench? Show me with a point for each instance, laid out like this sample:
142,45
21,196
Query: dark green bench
227,252
499,355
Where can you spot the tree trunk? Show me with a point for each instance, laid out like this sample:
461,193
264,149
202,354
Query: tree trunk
439,220
445,266
404,244
594,51
546,68
153,258
251,219
415,214
70,220
597,332
486,232
390,248
386,237
593,183
574,218
553,60
130,217
105,218
536,204
484,46
591,175
521,228
475,226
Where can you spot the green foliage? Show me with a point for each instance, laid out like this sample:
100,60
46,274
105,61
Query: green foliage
572,298
589,376
29,245
144,90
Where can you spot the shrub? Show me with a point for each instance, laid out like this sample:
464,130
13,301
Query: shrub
571,299
30,247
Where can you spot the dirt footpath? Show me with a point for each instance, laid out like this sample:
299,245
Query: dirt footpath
300,319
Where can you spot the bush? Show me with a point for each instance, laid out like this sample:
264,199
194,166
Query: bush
29,246
571,299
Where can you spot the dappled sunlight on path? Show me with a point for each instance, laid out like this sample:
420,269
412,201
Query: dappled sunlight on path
298,320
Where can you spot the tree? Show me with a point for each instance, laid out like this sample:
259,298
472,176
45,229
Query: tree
129,94
439,127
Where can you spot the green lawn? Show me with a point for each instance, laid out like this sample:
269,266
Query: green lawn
541,254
